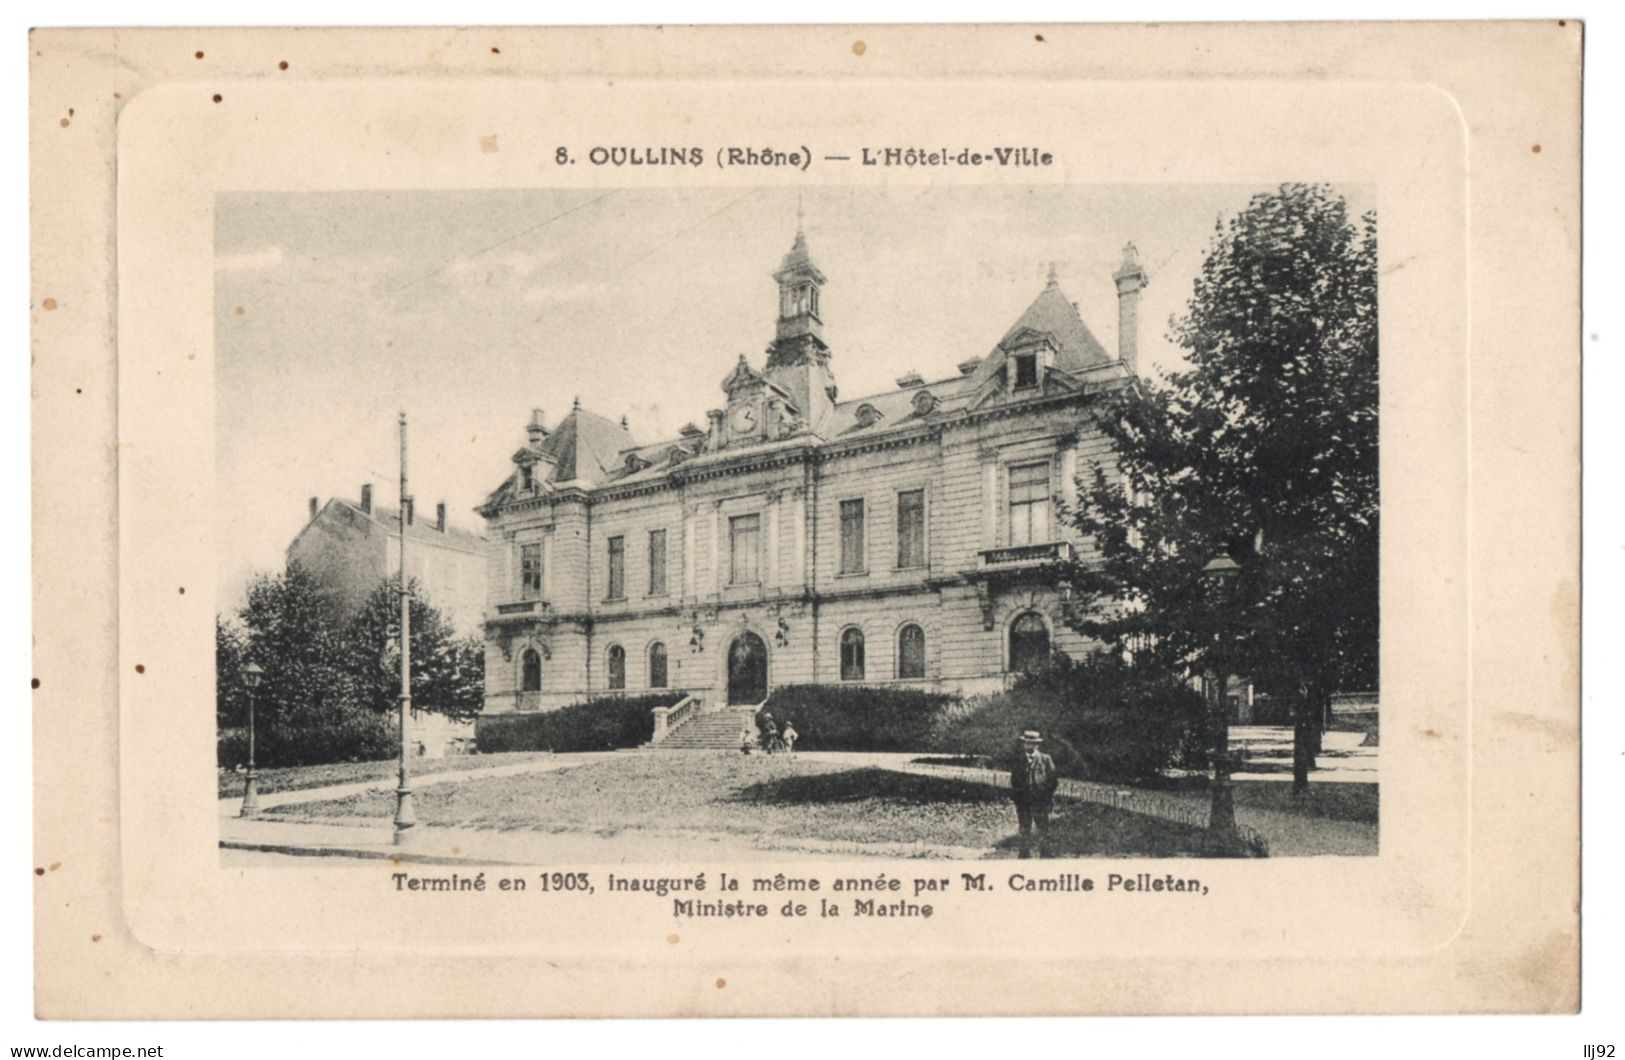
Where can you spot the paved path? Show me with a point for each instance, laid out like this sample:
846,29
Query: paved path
350,840
229,807
1288,833
1267,751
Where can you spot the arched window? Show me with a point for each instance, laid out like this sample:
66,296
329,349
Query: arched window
910,652
852,655
657,665
1029,643
617,666
530,671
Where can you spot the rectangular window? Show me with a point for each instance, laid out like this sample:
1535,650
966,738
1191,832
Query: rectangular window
852,557
617,568
1029,504
911,528
745,541
657,562
530,571
1026,371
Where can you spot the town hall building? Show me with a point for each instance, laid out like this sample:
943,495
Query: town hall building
907,538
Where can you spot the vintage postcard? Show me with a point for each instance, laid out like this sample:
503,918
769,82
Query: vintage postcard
818,521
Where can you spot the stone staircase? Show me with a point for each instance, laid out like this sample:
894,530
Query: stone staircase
712,732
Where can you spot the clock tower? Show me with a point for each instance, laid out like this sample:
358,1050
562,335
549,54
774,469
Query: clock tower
798,359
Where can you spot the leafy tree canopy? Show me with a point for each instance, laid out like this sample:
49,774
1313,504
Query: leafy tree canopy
332,680
1265,450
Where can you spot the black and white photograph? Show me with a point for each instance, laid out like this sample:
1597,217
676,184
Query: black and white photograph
931,522
807,521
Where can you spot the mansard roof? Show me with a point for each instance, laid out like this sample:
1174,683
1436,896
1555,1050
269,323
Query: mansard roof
586,446
599,451
1058,315
896,407
1051,315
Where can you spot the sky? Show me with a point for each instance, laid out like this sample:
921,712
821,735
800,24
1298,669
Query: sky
336,311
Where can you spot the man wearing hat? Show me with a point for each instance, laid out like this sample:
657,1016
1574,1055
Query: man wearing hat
1033,782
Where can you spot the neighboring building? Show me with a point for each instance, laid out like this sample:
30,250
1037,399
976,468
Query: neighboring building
905,538
353,547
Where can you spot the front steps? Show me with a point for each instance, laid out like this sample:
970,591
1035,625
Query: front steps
712,732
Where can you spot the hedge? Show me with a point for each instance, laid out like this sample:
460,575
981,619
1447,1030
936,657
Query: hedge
1101,719
346,735
604,724
855,717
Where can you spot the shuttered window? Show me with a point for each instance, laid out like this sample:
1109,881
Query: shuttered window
911,528
657,562
852,655
745,539
852,557
657,665
617,568
911,652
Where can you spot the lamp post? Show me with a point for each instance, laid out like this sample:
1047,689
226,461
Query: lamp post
1219,578
252,676
405,818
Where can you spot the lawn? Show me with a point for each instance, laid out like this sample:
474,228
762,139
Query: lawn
296,778
1334,801
772,802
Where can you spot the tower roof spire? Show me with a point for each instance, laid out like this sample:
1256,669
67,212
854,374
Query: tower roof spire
799,258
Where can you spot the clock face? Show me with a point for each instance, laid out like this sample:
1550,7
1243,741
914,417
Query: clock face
744,419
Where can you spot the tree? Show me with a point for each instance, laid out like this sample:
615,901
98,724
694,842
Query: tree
448,674
231,694
1265,449
332,680
307,709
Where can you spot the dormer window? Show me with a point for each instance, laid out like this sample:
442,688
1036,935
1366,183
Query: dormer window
1026,371
527,477
868,415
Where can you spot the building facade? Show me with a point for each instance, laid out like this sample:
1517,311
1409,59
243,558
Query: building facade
353,547
906,538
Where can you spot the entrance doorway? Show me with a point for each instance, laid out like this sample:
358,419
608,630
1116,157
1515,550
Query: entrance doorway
747,670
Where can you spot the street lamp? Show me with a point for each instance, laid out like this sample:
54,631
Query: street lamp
405,818
1219,578
252,676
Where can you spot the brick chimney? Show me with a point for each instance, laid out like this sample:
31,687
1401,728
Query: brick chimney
314,505
366,497
440,517
535,430
1131,280
714,436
